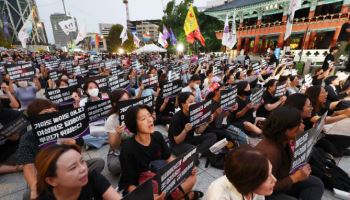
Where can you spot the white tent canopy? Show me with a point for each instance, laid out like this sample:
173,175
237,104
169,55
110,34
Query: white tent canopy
149,48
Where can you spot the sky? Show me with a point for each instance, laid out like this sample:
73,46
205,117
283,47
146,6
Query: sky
90,13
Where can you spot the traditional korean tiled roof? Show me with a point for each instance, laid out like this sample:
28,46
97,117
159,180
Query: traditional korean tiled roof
234,4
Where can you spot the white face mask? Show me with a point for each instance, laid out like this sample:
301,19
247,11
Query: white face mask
196,86
93,92
23,84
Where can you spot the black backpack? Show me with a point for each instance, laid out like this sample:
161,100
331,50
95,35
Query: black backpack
324,167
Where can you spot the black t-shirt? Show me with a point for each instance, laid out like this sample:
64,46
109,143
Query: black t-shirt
136,158
316,81
268,99
214,106
248,116
93,190
177,124
169,108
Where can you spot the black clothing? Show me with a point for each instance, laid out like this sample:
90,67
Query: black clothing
248,116
268,99
93,190
135,158
177,124
325,64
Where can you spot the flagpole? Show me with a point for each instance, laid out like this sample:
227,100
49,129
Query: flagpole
304,38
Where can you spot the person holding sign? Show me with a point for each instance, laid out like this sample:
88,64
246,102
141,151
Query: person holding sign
92,90
181,133
116,131
25,92
280,130
293,85
243,117
193,86
7,99
336,145
270,102
248,175
320,75
29,147
142,154
63,174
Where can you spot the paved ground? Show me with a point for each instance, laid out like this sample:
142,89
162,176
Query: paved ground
12,186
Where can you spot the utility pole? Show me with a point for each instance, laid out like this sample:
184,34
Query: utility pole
128,24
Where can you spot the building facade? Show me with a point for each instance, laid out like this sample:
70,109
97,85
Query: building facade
61,39
105,28
261,24
16,12
146,30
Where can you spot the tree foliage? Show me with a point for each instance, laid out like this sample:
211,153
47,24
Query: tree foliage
174,17
114,41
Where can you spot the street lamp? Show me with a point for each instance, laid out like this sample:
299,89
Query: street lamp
121,51
180,48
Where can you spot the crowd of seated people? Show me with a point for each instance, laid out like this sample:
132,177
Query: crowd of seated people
137,150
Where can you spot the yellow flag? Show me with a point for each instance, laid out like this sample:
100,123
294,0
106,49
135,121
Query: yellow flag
190,22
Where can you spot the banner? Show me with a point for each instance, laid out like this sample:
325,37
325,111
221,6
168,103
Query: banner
200,113
294,5
124,34
70,123
228,97
256,96
60,95
281,89
26,30
143,191
232,40
304,144
226,32
171,89
19,72
98,110
174,173
68,26
15,126
124,105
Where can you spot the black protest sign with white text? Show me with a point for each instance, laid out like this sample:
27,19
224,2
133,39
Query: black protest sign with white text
171,89
98,109
70,123
174,173
60,95
124,105
19,72
228,97
200,113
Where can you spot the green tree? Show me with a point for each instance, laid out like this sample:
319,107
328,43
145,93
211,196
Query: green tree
174,17
114,41
3,41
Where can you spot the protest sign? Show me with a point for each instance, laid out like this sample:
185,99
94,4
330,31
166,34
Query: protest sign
60,95
117,81
171,89
70,123
304,144
143,191
228,97
280,89
256,96
200,113
55,74
174,173
173,75
52,64
124,105
150,82
18,72
256,67
16,126
308,80
98,110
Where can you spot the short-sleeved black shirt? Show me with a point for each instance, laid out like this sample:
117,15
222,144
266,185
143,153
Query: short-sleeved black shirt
247,117
93,190
325,64
136,158
268,99
177,124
